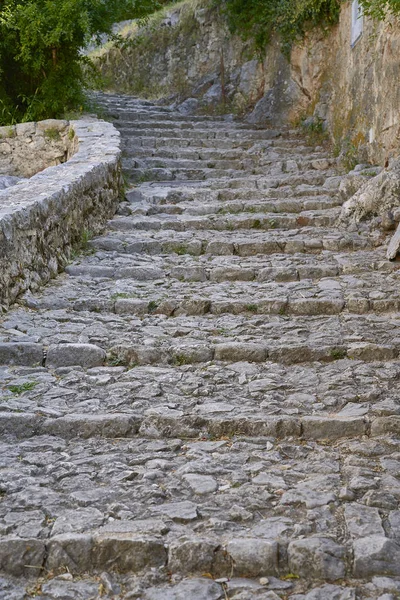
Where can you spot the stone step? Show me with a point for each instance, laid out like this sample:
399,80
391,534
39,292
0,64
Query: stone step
199,195
121,398
279,267
179,152
126,116
154,130
151,142
236,222
303,181
186,293
243,243
85,587
254,165
246,514
179,122
185,164
151,338
280,145
138,175
296,206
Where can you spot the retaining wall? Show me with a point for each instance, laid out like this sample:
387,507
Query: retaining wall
43,218
27,148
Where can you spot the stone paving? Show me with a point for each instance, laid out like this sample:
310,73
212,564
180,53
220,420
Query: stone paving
206,404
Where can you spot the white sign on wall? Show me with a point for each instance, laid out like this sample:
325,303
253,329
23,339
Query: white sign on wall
357,21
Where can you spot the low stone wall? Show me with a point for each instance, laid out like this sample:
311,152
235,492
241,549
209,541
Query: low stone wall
43,218
27,148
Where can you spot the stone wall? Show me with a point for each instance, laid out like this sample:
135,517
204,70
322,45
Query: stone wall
43,218
27,148
354,89
188,52
185,51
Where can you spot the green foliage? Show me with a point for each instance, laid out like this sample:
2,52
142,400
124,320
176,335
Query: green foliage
42,68
24,387
379,8
291,19
260,19
314,132
52,134
152,306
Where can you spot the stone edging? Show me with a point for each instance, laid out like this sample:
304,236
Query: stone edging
43,218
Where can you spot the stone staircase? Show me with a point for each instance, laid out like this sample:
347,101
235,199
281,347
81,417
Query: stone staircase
206,404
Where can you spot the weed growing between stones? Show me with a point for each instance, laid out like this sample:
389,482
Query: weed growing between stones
24,387
314,131
251,308
152,306
122,295
181,250
82,246
53,134
181,360
338,353
350,153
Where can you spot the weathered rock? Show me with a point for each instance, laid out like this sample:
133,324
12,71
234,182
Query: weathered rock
331,592
26,354
70,552
253,557
363,521
201,589
65,355
376,555
22,557
201,484
127,553
318,558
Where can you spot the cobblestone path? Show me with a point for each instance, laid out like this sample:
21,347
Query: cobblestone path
206,405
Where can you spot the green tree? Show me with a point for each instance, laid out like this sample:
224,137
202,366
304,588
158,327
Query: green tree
42,68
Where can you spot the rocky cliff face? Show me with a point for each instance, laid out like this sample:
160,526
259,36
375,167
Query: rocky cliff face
188,55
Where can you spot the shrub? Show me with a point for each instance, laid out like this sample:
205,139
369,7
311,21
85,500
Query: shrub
42,70
260,19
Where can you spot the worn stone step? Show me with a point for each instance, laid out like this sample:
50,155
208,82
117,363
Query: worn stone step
202,587
276,299
129,115
194,294
154,130
150,142
236,222
186,144
120,397
183,153
179,152
294,205
306,240
278,267
128,526
177,121
153,339
280,199
137,175
253,165
185,164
